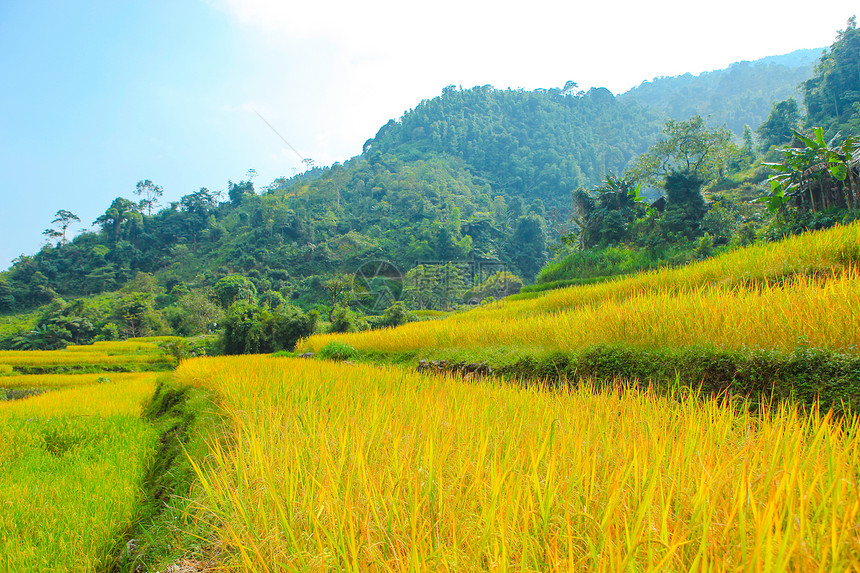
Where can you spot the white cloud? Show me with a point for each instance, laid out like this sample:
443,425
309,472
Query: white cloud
350,66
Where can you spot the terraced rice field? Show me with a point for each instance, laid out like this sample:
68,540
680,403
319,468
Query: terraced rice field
362,468
804,291
72,463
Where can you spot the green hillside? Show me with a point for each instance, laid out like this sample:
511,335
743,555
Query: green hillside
740,95
481,176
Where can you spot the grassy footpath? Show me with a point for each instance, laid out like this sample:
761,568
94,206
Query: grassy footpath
165,531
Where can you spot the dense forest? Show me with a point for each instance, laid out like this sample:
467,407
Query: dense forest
591,183
738,96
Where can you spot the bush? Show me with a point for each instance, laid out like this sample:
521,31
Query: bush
395,315
345,319
335,350
250,329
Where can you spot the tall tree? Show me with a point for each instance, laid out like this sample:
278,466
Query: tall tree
776,129
150,193
234,288
65,219
689,147
528,244
685,206
120,211
832,95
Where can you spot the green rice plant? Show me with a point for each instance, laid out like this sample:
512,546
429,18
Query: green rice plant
335,350
71,467
361,468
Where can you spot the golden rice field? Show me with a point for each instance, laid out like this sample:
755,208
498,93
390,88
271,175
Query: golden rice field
131,346
71,466
55,381
138,352
332,466
803,291
809,253
52,358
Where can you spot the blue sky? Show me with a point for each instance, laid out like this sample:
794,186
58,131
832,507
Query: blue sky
98,95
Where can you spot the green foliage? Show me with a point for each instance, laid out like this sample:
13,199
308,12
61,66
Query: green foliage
436,286
592,265
335,350
685,206
604,215
722,221
686,147
7,299
238,191
832,94
234,288
535,144
815,175
528,245
150,193
272,299
251,329
199,313
345,319
183,348
137,317
339,289
496,286
395,315
777,129
43,337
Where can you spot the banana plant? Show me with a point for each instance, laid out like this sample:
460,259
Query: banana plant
839,163
816,160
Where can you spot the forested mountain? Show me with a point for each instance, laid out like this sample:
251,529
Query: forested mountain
476,174
739,95
537,145
832,95
479,173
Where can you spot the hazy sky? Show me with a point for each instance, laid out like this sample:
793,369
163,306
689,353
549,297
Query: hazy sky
98,95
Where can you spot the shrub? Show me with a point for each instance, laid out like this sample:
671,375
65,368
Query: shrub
345,319
335,350
395,315
250,329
